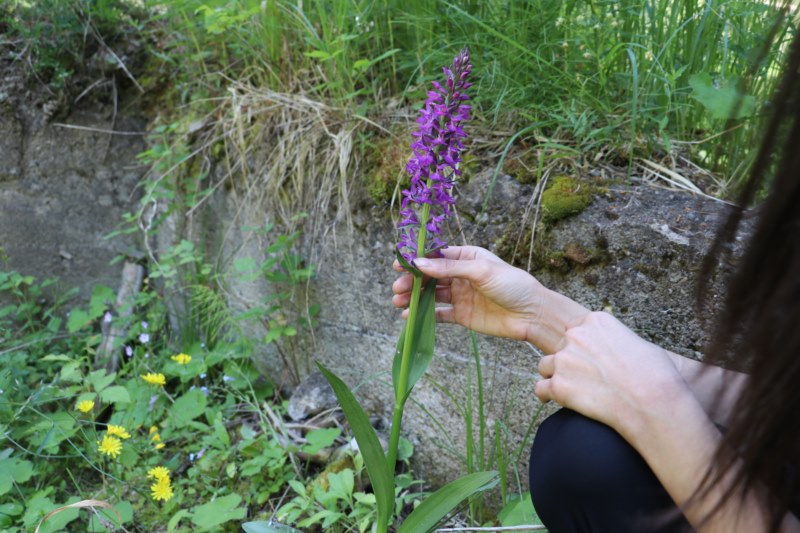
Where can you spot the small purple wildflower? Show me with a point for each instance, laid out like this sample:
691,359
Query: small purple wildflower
128,350
107,317
145,325
433,167
226,379
144,338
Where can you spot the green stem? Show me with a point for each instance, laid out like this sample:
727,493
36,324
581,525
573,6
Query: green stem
400,395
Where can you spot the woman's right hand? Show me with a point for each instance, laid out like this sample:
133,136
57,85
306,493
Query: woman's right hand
489,296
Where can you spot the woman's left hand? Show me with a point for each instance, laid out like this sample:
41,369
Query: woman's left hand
608,373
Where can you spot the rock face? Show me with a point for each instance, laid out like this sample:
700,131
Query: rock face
62,188
633,251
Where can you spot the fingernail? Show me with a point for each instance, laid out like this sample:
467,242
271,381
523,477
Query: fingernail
422,262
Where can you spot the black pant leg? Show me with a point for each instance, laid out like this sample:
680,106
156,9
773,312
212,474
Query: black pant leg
585,477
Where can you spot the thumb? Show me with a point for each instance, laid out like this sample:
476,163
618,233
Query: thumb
474,270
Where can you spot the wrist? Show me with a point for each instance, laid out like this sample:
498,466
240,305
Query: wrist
652,410
553,316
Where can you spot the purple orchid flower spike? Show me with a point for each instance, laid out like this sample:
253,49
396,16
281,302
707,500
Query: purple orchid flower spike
433,167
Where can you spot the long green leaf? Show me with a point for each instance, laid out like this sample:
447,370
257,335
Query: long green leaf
268,527
440,503
424,339
374,459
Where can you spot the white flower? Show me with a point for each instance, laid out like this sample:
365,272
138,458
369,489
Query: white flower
145,325
107,317
144,338
227,379
128,351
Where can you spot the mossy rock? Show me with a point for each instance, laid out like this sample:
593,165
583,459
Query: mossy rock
565,197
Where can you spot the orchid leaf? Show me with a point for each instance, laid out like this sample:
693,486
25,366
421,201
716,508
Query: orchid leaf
406,265
423,341
372,452
439,504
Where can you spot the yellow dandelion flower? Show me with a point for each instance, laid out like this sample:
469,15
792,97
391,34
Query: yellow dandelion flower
158,472
155,438
181,358
110,446
117,431
159,445
153,429
85,406
155,379
162,489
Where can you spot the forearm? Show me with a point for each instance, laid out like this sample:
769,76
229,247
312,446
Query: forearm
673,434
716,389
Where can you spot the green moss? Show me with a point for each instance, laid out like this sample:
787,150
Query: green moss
386,165
344,463
565,197
522,168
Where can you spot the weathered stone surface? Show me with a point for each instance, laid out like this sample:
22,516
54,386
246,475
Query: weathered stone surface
69,189
11,139
633,251
639,263
314,395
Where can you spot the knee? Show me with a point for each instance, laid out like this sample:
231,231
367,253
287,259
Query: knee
572,452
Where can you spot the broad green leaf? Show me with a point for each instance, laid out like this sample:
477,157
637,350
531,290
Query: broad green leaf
78,318
125,510
59,521
268,527
320,438
223,509
115,394
13,470
187,407
423,341
374,459
721,98
102,298
176,519
8,511
440,503
56,357
519,511
100,380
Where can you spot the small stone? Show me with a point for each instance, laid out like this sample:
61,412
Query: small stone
312,396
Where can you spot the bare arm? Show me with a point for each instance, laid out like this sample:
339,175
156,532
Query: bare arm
490,296
606,372
715,388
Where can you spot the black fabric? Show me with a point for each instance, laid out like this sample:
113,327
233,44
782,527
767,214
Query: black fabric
586,478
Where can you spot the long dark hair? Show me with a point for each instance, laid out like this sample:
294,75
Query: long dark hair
758,328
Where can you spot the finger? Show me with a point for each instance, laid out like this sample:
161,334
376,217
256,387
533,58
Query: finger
475,270
547,366
544,390
401,300
443,295
403,284
397,266
445,315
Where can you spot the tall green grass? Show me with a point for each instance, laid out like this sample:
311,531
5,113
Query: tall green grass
595,74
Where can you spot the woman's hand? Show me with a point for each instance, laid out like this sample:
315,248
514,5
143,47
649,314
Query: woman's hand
490,296
606,372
